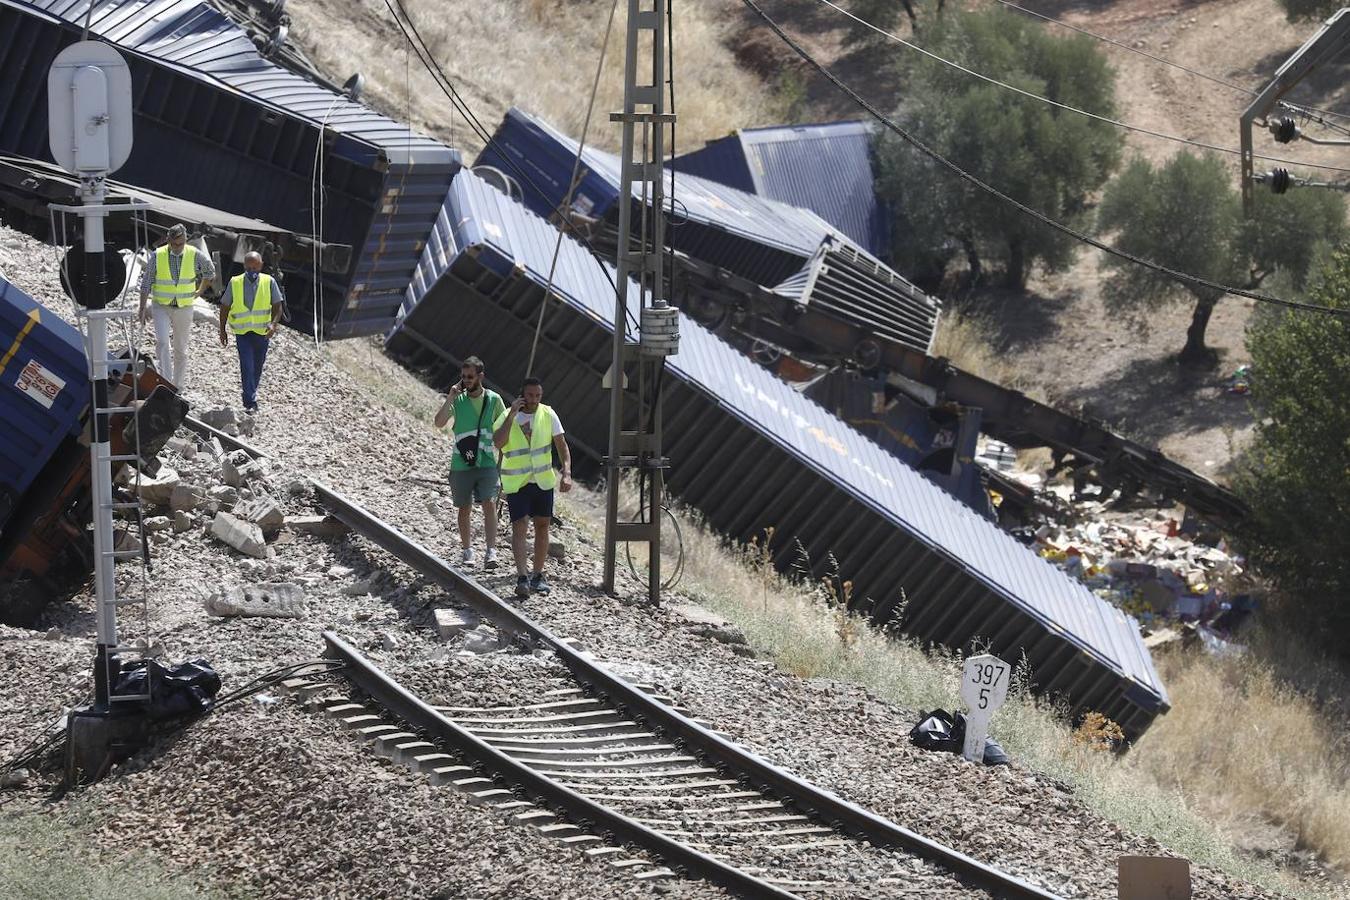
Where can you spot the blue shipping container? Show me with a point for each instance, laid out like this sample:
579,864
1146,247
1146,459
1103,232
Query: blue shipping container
44,389
824,168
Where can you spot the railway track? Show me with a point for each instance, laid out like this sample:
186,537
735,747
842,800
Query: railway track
623,762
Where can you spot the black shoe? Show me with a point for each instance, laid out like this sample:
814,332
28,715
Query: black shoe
538,583
522,586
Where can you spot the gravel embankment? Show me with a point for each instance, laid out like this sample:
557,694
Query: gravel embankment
319,419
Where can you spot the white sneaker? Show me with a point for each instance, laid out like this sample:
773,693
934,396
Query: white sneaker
490,559
467,556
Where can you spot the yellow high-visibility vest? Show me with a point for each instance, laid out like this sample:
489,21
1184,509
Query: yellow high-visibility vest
525,461
244,320
166,289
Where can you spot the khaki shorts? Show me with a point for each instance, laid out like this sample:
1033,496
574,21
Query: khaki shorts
471,486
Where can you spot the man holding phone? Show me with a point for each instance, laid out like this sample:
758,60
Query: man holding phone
528,435
471,410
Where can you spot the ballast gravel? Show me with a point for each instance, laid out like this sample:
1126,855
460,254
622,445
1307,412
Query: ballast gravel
295,786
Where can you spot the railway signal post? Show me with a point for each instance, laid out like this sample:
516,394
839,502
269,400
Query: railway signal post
635,428
90,116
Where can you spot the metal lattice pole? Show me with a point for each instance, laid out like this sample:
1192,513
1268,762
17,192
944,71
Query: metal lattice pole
635,434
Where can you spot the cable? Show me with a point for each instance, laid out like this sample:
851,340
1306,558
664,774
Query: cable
1167,62
1022,207
571,188
1073,109
316,193
443,82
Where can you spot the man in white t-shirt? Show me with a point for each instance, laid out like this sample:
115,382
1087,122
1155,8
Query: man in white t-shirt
527,434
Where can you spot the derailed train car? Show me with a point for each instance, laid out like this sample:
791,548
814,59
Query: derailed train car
45,491
220,125
750,453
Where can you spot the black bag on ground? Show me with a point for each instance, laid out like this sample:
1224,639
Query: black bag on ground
939,730
184,689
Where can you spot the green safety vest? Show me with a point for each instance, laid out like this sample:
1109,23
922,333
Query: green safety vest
466,423
244,320
168,291
525,461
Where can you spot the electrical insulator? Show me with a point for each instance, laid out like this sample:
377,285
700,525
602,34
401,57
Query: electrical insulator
659,331
1284,128
1279,181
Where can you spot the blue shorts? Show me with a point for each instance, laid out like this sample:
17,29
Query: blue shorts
532,501
470,486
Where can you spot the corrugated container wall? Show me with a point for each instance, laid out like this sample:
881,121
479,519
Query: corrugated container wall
219,125
44,388
824,168
754,237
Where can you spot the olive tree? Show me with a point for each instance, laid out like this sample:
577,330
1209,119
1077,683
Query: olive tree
1050,159
1186,215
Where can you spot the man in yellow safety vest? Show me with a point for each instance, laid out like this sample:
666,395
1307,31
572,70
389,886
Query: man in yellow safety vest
527,435
251,305
174,276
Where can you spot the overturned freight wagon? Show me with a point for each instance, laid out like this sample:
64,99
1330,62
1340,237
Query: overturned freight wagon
751,454
750,236
220,125
825,168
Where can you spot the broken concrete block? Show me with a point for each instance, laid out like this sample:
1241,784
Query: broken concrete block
238,468
159,489
388,640
264,512
243,536
450,622
482,639
157,523
224,495
185,497
214,447
320,526
184,447
181,521
279,600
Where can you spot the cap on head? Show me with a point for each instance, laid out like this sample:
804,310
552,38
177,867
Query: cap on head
177,231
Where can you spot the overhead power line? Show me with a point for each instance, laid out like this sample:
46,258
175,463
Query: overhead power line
1167,62
1184,277
447,87
1066,107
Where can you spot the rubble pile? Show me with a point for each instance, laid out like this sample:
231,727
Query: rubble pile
1159,566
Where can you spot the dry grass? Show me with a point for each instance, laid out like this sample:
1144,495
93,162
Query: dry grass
45,858
1248,747
971,344
1237,746
536,54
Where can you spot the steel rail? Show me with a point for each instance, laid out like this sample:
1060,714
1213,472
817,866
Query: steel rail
418,714
841,814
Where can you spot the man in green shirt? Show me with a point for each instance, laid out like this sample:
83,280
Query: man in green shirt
471,409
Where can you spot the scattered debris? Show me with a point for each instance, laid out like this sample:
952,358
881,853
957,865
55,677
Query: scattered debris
157,490
279,600
450,622
243,536
319,526
482,639
264,512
